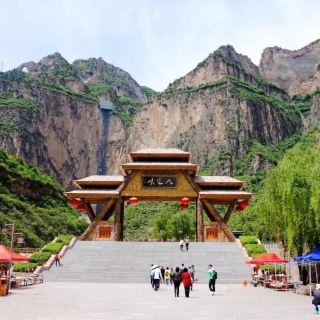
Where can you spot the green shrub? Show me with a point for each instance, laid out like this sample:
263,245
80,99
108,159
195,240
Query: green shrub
53,247
248,240
64,238
40,258
24,267
255,248
277,268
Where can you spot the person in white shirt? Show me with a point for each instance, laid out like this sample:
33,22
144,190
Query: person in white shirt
156,278
181,244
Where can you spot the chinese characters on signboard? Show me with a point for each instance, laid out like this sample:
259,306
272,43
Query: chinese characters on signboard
159,181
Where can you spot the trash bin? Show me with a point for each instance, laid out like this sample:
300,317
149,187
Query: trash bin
3,286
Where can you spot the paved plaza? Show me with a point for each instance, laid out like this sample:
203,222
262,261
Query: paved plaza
93,301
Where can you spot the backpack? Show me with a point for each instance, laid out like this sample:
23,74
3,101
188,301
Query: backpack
176,276
215,276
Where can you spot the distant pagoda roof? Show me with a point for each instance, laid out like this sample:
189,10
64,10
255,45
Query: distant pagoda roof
153,154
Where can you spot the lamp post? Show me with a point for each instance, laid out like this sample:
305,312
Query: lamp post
20,239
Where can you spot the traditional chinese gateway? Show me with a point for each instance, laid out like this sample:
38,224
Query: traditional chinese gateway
159,175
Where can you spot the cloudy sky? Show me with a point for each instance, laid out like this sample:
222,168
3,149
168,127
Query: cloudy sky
155,41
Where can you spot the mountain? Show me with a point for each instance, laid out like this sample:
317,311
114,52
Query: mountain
296,71
224,108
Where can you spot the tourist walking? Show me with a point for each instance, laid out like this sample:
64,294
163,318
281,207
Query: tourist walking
187,243
151,273
157,277
181,245
212,279
316,298
187,282
176,281
57,259
163,270
171,276
192,277
167,276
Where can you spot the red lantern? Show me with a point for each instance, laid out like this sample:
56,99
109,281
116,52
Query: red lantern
75,202
81,207
185,201
239,208
133,200
243,203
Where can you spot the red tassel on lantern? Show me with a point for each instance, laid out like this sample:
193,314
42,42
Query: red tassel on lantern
183,206
133,200
81,207
243,203
75,202
239,208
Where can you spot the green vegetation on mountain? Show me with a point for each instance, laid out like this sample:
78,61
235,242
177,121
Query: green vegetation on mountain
7,128
34,202
150,93
12,102
126,108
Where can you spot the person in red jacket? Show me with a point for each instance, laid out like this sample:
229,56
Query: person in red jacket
187,282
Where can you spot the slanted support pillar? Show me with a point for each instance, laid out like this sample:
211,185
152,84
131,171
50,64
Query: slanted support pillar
215,214
200,233
89,211
106,210
118,220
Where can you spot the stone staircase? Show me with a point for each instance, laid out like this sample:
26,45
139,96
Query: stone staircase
129,262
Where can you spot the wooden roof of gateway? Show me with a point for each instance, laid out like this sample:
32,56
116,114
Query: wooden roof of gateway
100,181
159,166
217,181
158,153
225,195
218,189
92,194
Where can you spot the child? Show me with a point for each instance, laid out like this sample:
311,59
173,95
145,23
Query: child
167,275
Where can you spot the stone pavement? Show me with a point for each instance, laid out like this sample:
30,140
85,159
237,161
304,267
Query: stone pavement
93,301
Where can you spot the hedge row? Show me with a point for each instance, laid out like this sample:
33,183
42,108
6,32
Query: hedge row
40,258
53,247
64,238
248,240
255,249
24,267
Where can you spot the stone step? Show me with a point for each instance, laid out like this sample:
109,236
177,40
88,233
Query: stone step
121,262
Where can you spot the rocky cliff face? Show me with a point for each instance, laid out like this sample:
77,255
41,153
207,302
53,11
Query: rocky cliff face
223,62
51,118
296,71
98,72
209,122
59,135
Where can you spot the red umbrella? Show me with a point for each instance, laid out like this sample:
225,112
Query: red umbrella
6,253
259,260
273,258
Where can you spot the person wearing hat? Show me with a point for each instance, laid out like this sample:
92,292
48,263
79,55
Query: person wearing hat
316,297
